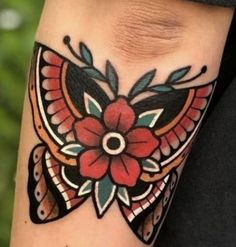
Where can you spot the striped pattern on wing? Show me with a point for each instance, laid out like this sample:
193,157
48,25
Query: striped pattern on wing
179,134
60,113
50,196
145,215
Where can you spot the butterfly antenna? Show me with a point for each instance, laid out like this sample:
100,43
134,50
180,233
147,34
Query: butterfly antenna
202,71
67,41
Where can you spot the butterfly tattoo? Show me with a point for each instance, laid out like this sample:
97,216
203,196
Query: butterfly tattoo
96,143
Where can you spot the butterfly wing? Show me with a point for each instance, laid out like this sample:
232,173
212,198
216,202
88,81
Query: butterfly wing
52,191
56,91
177,129
148,207
183,111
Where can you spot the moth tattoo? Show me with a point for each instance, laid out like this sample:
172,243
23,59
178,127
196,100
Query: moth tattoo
96,143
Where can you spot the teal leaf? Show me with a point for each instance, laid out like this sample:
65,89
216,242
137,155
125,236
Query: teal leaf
142,83
178,74
86,188
161,88
150,165
94,73
149,118
92,106
72,149
123,196
86,54
112,77
104,194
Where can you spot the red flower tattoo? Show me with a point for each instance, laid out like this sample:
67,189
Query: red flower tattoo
114,145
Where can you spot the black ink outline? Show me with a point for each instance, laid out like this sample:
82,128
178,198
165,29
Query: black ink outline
115,91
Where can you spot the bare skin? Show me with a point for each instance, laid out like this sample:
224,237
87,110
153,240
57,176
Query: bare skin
136,35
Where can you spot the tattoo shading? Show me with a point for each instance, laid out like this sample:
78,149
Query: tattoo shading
96,143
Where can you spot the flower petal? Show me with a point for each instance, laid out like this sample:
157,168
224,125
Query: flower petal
141,142
125,170
93,164
119,116
89,131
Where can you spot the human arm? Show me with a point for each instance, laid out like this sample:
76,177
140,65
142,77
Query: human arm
136,38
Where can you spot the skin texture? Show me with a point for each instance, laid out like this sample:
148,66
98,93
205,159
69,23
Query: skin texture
167,38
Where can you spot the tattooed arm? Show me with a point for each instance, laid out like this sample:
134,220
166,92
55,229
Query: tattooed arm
117,92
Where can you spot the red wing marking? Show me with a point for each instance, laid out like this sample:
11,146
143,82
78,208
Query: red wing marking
52,83
53,95
53,116
51,58
199,103
51,71
194,114
176,136
180,132
70,136
187,124
204,92
173,140
60,116
165,147
64,126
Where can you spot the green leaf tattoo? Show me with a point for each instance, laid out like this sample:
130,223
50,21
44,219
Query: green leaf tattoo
92,106
150,165
94,73
112,77
72,149
161,88
86,54
86,188
149,118
142,83
178,74
104,194
123,195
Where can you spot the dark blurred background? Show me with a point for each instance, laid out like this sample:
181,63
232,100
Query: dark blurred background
18,23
